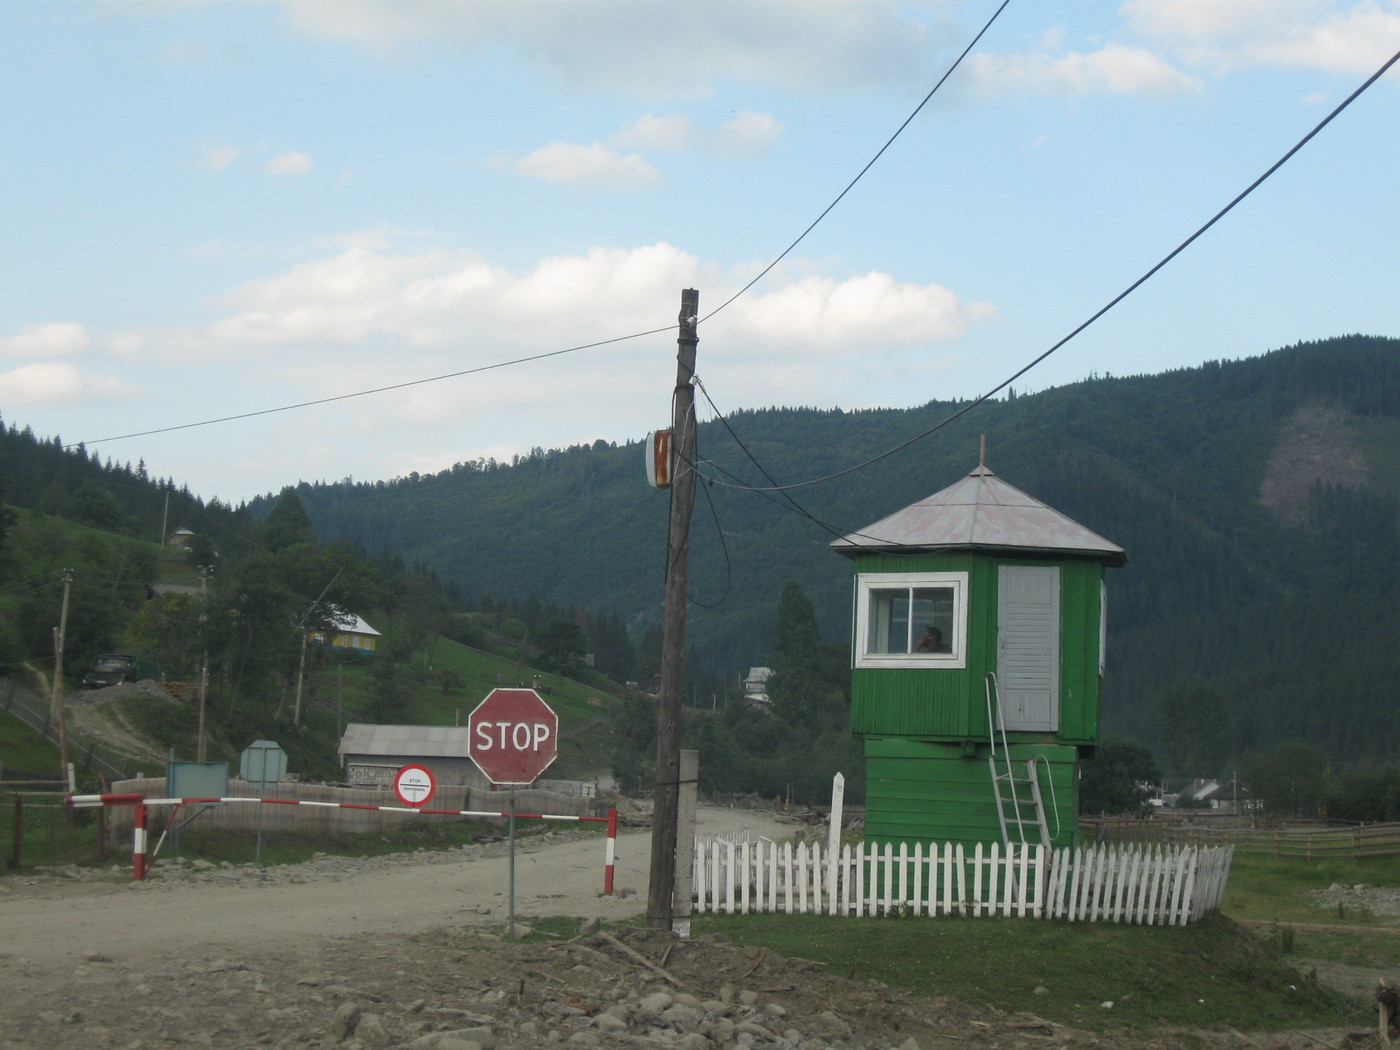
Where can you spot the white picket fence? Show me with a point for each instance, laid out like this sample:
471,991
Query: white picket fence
1164,886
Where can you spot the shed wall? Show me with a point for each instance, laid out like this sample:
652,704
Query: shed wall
925,791
379,770
949,704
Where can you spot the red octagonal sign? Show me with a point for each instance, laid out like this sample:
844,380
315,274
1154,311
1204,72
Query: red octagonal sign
514,736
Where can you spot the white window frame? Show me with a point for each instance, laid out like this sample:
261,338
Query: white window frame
867,583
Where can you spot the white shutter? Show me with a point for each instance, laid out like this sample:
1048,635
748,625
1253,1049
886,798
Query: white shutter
1028,646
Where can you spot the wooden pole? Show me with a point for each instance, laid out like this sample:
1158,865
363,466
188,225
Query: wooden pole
681,903
17,833
201,748
661,886
59,634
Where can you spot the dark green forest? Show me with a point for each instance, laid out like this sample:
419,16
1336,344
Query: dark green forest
1257,500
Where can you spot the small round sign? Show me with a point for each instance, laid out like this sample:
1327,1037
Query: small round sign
414,785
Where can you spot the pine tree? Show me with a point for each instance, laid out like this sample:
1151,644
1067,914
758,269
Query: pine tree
797,655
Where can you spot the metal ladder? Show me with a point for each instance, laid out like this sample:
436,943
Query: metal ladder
1019,802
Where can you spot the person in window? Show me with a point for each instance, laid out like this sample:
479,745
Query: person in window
931,641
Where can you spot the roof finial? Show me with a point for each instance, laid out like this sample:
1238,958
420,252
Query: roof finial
982,454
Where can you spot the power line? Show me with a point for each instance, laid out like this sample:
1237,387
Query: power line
788,503
870,164
585,346
376,390
965,409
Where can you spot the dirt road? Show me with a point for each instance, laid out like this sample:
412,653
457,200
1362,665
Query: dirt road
243,909
399,953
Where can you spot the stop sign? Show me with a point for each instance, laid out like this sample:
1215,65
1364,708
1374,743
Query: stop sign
513,735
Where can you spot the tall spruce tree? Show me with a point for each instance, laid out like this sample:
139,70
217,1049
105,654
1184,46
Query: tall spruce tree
794,685
287,523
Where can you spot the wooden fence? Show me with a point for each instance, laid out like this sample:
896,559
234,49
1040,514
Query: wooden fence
1141,885
1311,841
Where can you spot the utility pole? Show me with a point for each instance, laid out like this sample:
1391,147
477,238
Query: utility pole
661,887
201,749
59,634
301,665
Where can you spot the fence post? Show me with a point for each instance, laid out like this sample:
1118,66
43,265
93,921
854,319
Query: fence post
138,849
833,834
18,843
610,859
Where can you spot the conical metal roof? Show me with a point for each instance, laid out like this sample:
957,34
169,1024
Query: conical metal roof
980,512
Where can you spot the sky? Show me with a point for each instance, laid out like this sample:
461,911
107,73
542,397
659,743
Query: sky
220,208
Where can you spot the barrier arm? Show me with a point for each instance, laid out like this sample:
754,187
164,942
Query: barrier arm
140,804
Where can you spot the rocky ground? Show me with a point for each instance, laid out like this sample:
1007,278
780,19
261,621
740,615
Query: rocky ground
240,957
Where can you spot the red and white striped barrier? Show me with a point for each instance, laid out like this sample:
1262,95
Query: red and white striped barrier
140,802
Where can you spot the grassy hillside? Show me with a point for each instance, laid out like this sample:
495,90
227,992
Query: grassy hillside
437,683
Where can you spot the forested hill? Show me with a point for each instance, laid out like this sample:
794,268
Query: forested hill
1257,501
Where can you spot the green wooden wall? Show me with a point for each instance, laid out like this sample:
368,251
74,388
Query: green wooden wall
949,704
925,791
926,731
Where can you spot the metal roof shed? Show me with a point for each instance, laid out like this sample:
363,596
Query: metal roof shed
371,754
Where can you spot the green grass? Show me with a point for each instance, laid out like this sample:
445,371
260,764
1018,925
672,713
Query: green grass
478,671
23,749
53,834
1379,952
1207,975
1271,889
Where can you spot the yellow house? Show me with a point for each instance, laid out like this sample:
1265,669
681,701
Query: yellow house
350,632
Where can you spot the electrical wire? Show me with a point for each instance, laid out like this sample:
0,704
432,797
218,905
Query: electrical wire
585,346
376,390
791,505
870,164
976,402
724,548
24,587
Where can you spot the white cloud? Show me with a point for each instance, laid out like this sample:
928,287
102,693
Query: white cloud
1332,35
432,298
58,339
1115,69
749,133
292,163
52,383
125,344
217,158
668,132
830,317
660,50
596,165
437,299
600,164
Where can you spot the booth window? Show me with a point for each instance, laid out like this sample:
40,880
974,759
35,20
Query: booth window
911,619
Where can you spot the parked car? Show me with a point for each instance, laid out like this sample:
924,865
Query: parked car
112,669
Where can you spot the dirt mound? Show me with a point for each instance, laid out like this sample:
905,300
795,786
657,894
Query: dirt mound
96,714
457,988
